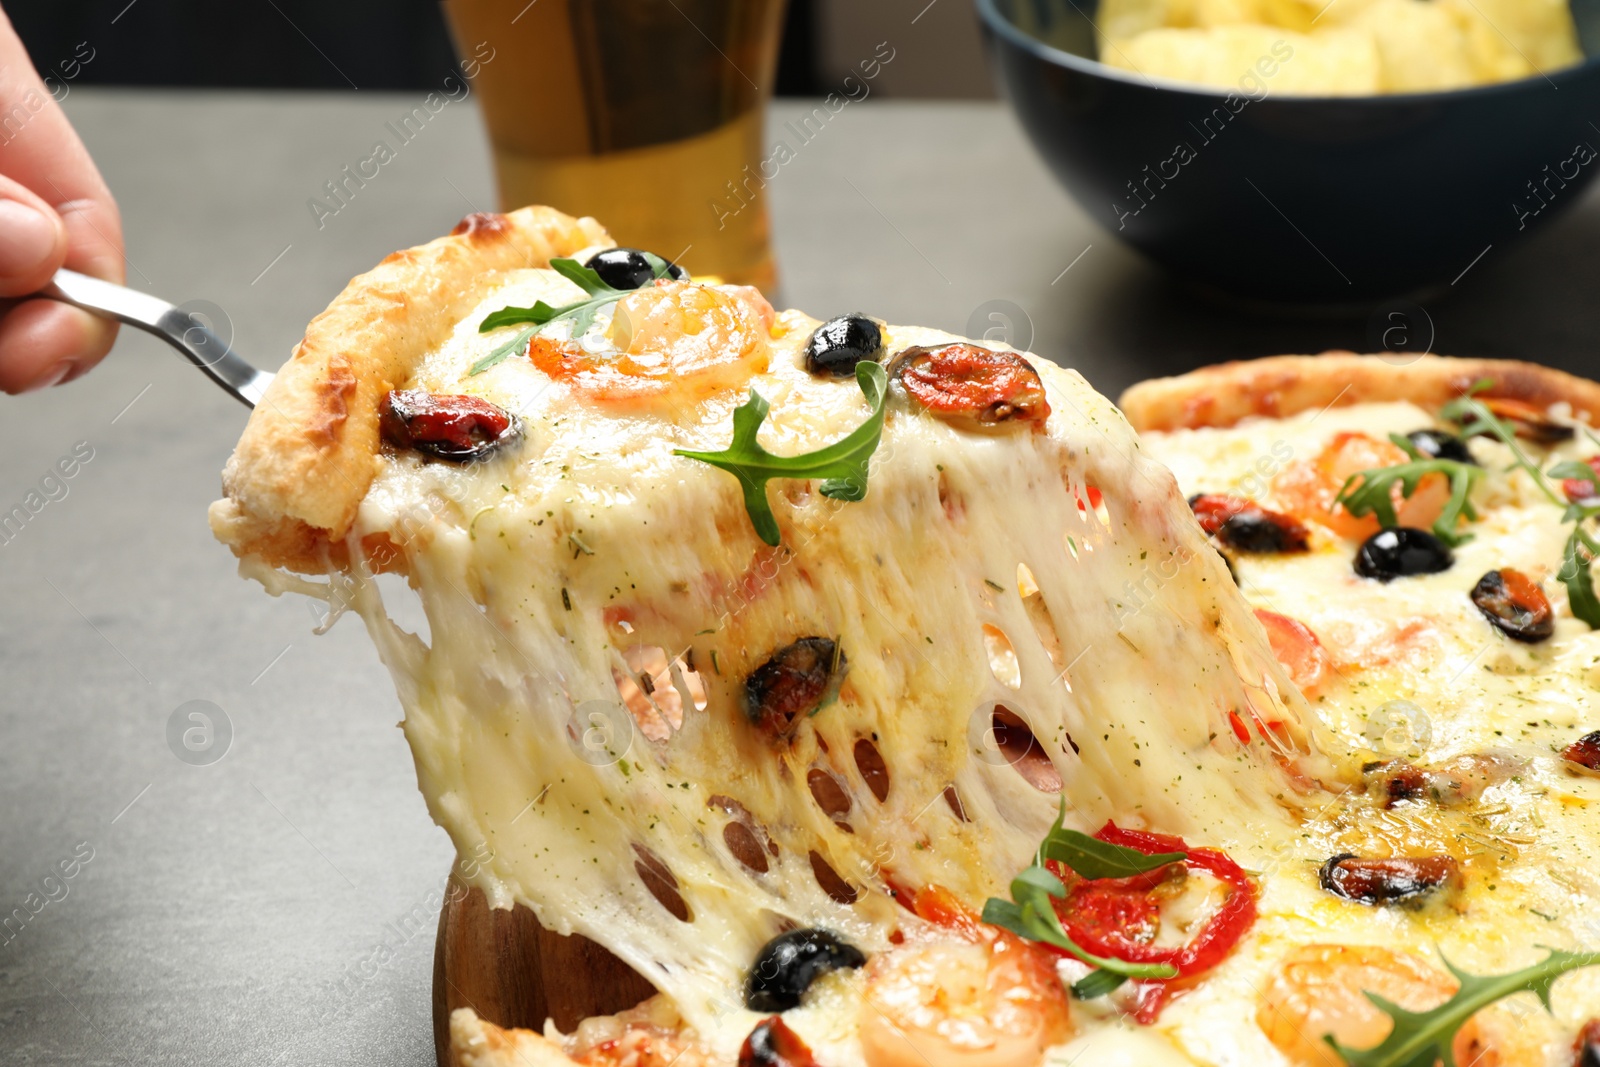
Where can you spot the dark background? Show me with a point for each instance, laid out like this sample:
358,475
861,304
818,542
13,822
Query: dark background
290,44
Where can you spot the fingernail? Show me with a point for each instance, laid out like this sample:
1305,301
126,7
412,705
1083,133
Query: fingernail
27,239
56,376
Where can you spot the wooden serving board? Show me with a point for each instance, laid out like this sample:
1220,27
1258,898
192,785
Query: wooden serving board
513,972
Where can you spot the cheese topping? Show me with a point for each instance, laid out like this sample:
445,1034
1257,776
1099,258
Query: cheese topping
588,556
1018,618
1418,673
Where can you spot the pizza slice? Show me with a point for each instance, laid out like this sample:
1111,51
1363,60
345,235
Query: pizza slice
871,693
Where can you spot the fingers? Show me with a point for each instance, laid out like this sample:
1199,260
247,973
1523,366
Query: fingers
33,240
45,343
44,164
40,150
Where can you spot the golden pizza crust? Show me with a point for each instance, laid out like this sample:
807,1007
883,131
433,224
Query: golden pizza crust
308,455
1280,386
650,1035
476,1043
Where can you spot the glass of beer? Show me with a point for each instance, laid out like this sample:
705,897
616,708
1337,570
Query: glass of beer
646,114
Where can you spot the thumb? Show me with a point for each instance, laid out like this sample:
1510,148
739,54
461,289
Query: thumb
33,240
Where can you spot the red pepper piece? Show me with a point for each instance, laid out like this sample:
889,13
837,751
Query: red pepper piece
1097,929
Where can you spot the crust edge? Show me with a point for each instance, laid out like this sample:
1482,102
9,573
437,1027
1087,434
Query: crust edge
476,1042
308,454
1280,386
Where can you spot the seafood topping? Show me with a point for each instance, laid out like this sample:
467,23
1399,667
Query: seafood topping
773,1044
969,385
1388,881
1585,751
1244,525
1515,604
445,427
799,679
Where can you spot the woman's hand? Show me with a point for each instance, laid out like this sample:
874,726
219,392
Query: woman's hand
55,211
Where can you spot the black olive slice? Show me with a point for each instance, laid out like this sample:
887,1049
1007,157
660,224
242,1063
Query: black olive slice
626,268
839,344
1436,444
787,965
1400,552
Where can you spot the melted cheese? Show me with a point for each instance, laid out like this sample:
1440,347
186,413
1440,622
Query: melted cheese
974,575
540,571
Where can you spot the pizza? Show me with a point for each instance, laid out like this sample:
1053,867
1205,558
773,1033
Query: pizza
881,697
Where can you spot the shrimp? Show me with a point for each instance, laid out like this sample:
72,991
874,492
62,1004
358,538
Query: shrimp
1310,487
1318,991
671,340
983,1003
1297,648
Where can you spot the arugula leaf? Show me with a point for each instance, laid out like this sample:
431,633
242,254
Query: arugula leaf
1092,858
1370,492
843,464
582,312
1578,471
1097,984
1582,548
1030,914
1421,1039
1033,918
1575,575
1475,419
511,347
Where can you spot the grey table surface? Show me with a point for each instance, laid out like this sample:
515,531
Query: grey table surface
263,908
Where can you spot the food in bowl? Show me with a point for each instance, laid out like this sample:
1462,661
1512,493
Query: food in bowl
1342,47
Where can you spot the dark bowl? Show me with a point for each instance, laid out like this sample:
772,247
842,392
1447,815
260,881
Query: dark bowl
1305,199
